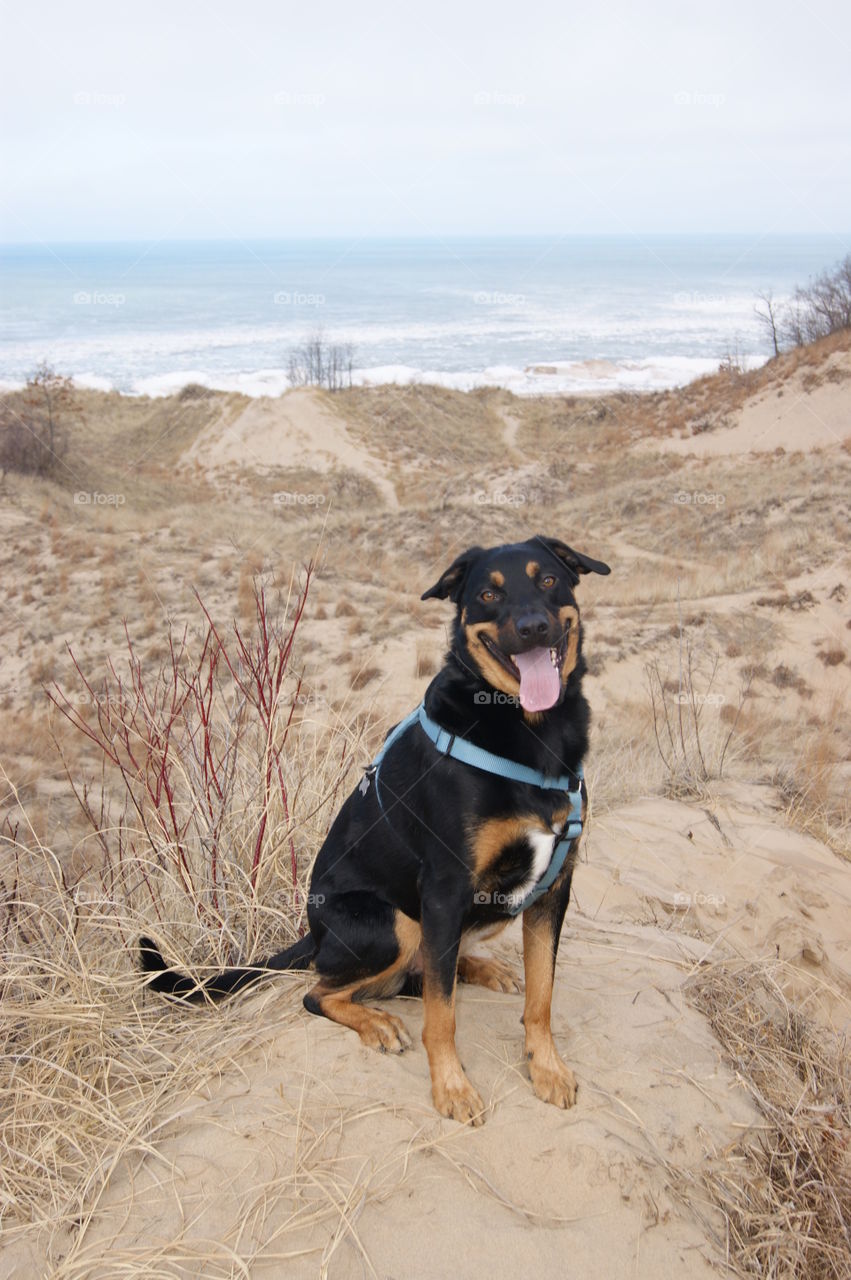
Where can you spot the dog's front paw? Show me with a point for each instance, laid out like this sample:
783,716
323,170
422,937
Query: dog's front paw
553,1082
458,1100
385,1033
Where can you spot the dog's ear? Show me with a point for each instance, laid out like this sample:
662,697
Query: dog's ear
574,560
451,581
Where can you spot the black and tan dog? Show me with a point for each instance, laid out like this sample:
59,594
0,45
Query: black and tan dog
432,853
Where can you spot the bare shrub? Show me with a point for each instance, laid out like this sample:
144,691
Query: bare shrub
824,306
35,431
821,308
317,363
204,843
734,362
691,751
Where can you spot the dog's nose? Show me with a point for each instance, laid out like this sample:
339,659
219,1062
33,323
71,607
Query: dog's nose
529,625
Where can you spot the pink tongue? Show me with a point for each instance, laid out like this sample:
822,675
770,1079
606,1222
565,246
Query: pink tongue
539,682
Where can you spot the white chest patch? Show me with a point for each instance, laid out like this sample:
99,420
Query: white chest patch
542,851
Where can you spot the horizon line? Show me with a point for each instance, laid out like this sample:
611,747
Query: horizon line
410,237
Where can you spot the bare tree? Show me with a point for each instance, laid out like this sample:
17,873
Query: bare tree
828,300
822,308
767,313
35,426
319,364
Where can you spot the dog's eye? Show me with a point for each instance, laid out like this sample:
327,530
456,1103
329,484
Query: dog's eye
487,596
547,581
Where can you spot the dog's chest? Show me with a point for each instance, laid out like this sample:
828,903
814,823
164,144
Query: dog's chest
538,847
543,844
511,855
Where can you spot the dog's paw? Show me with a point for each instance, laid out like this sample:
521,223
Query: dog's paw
494,974
458,1100
385,1033
553,1082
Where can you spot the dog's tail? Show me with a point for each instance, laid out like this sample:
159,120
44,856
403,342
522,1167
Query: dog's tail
298,956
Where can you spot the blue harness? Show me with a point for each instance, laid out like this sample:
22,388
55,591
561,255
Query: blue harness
460,749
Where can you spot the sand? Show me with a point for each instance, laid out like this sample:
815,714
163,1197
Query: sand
294,430
794,417
593,1192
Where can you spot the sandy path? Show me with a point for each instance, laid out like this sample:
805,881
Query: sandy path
512,426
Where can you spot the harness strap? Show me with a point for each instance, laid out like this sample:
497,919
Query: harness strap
460,749
371,773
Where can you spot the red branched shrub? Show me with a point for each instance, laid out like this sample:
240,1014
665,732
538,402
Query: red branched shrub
203,755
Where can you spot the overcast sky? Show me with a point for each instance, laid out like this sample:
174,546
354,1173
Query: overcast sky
217,119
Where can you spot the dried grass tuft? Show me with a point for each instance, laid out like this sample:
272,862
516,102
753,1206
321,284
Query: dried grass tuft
785,1190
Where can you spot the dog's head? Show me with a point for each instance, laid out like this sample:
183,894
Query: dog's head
517,621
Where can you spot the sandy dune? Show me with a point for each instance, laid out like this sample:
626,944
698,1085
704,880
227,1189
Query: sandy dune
794,417
294,430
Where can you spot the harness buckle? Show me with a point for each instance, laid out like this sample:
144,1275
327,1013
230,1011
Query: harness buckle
368,774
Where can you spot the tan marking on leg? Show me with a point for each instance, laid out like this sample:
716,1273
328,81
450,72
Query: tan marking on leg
452,1092
533,568
487,971
408,934
377,1030
552,1079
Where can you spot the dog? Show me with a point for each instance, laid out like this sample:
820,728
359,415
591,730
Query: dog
470,815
